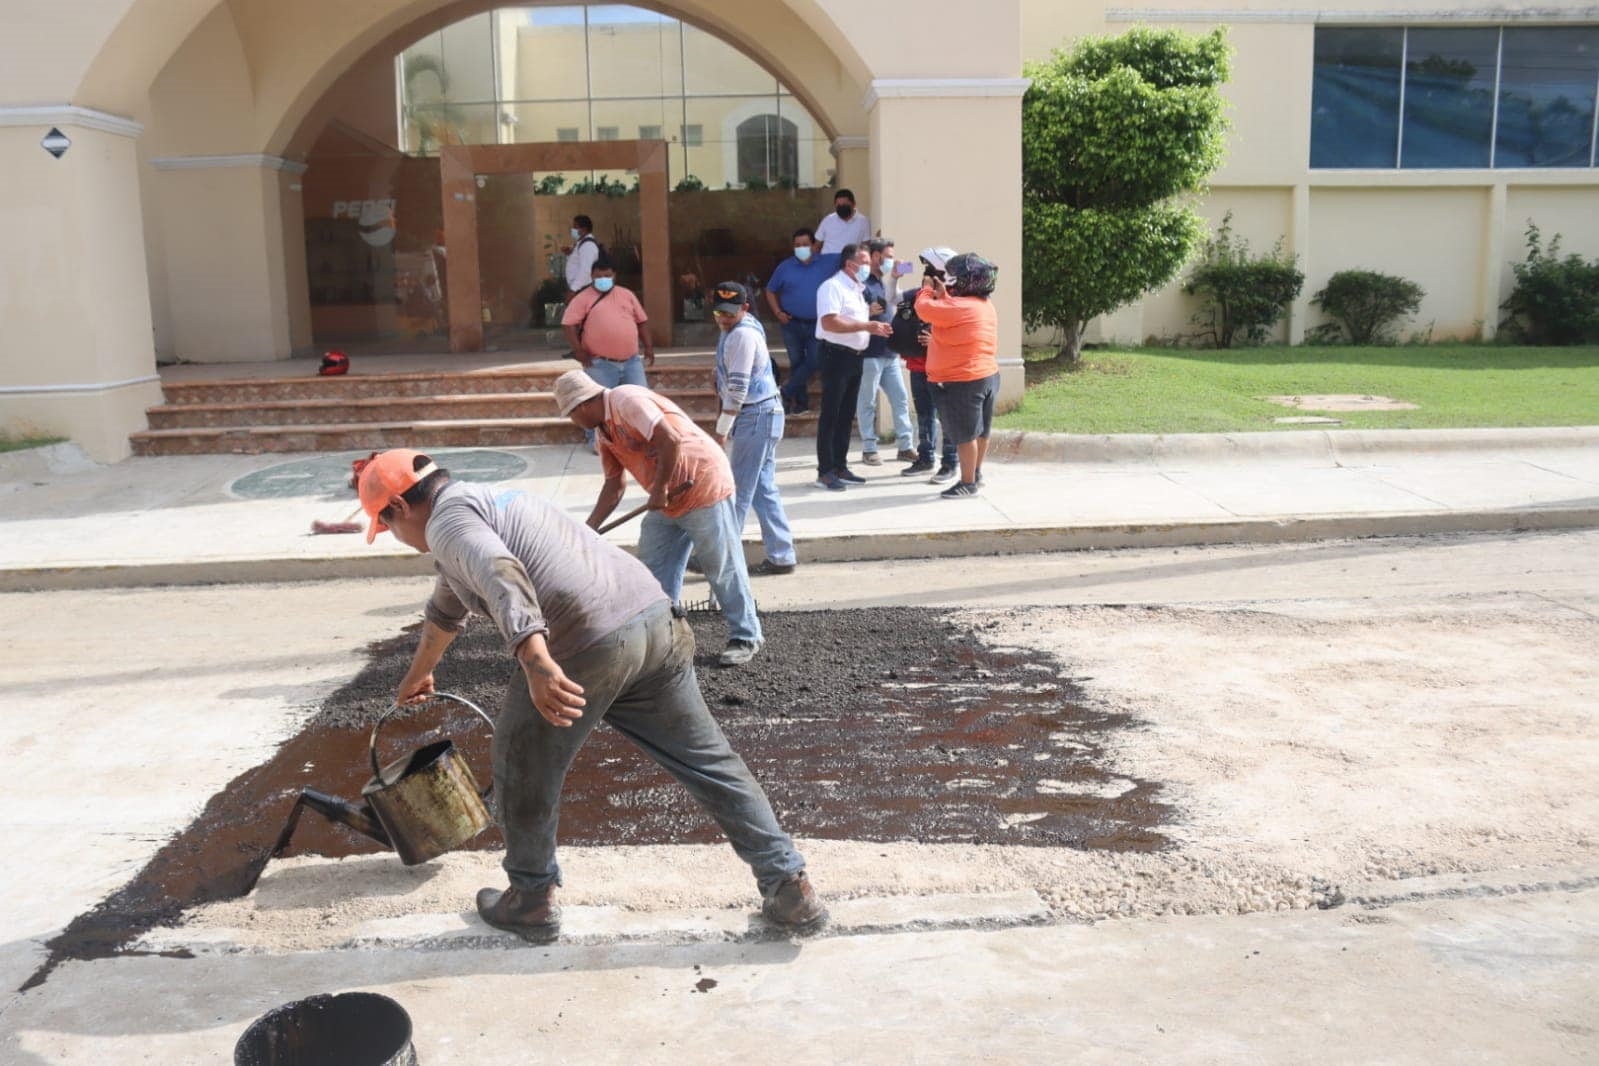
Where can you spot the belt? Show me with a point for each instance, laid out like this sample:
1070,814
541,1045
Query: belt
757,403
807,321
844,348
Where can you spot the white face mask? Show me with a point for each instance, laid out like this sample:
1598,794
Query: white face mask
863,271
576,233
803,253
888,265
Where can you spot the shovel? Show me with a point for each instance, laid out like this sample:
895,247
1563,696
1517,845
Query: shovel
641,508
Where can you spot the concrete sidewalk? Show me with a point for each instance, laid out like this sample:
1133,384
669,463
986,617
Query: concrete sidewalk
66,522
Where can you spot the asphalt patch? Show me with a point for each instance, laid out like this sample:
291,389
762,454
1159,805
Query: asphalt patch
882,724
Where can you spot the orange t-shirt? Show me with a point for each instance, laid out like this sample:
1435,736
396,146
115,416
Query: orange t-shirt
610,324
631,415
965,344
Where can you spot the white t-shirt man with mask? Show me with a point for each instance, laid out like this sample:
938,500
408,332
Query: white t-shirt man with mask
844,226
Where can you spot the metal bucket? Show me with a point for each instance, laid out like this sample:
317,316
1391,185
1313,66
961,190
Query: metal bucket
428,802
349,1029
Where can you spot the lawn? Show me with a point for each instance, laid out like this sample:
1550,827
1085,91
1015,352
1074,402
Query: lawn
17,444
1151,390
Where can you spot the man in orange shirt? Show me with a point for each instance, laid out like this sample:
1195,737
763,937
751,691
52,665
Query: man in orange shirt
606,328
963,361
691,505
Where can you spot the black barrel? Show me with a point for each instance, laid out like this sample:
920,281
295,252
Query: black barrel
348,1029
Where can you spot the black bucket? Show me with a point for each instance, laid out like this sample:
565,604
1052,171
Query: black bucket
349,1029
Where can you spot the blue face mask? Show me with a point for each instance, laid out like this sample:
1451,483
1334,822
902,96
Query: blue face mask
863,272
604,284
802,254
576,233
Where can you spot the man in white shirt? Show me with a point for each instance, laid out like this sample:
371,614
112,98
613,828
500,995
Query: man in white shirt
844,226
844,327
580,260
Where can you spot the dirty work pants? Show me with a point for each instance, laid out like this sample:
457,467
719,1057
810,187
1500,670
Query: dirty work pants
752,450
640,678
714,537
883,372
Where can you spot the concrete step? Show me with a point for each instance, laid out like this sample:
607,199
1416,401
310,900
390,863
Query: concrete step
340,411
372,436
538,377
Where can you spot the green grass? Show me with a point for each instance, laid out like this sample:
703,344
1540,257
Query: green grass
1189,391
17,444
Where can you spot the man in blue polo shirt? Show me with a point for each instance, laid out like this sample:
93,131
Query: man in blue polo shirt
791,294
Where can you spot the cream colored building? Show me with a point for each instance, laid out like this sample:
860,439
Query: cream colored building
173,224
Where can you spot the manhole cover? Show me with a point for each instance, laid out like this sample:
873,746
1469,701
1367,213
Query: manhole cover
329,475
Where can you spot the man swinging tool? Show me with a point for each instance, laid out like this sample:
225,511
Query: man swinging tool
596,638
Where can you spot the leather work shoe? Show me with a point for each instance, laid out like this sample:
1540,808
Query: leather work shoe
529,913
767,568
906,455
794,905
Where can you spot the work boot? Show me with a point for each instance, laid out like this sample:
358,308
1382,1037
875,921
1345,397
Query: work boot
767,568
531,914
794,905
908,455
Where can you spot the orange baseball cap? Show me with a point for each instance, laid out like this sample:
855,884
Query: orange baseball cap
385,476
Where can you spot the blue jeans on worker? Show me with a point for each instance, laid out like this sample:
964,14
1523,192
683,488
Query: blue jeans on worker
640,678
799,337
712,536
883,372
841,380
752,449
927,420
614,372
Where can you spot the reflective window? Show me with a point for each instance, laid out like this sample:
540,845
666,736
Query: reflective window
1354,99
593,72
1425,97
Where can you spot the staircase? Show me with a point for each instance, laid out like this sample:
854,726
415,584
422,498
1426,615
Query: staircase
500,407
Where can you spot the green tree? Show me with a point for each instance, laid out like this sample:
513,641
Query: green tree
1114,132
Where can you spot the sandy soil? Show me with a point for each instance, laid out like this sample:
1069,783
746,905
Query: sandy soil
1305,749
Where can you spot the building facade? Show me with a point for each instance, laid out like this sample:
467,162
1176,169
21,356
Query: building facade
153,153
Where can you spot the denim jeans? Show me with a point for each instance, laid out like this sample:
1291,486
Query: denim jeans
883,371
799,337
841,381
753,453
614,372
640,678
711,535
927,420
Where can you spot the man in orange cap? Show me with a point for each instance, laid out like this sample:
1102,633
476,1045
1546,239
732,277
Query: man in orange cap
595,637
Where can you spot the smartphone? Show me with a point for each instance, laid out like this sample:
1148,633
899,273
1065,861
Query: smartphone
901,269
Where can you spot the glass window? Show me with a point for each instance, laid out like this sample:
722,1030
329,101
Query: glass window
633,52
694,135
549,54
1449,97
711,65
768,151
607,133
1355,97
566,134
649,133
1547,83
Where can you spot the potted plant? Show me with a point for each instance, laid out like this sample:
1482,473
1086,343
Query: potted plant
551,297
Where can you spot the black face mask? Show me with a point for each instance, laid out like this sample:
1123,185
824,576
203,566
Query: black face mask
844,211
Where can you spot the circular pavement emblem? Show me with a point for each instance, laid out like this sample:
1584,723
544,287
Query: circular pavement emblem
329,475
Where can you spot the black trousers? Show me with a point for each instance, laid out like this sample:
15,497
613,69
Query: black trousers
841,382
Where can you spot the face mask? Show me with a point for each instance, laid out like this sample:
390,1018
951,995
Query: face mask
863,272
576,233
802,254
604,284
844,211
888,265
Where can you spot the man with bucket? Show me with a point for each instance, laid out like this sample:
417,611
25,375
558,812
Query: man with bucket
595,638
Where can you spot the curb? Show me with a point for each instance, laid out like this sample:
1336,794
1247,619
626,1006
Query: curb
1331,446
1007,540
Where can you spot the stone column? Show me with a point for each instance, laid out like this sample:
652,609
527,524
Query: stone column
852,170
227,255
76,355
945,159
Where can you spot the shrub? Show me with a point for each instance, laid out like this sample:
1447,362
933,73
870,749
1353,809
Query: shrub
1243,296
690,183
1555,301
1367,303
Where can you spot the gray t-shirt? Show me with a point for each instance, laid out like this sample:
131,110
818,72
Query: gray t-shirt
532,568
